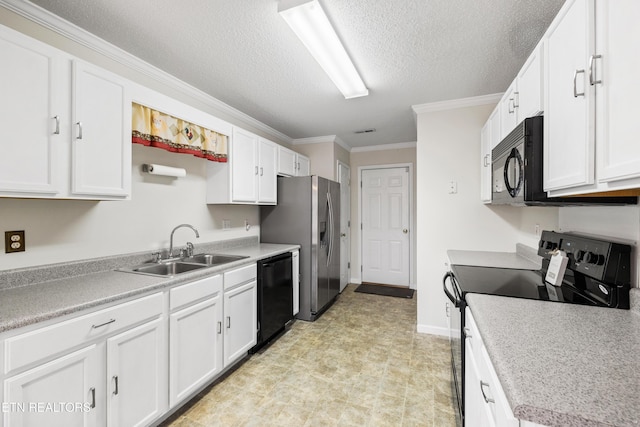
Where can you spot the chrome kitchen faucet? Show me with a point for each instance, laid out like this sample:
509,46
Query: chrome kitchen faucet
189,244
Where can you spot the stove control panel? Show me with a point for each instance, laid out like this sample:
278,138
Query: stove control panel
599,259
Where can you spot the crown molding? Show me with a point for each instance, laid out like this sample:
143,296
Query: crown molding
456,103
76,34
322,139
396,146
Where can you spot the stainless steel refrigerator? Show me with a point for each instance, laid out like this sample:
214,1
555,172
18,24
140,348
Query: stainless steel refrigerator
308,214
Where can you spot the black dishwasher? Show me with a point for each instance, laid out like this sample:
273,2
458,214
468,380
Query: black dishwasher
275,297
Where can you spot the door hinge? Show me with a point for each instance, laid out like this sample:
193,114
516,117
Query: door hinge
348,223
360,184
348,265
360,226
361,269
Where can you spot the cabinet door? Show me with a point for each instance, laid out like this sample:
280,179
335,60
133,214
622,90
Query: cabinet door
244,166
295,274
195,345
617,90
136,375
529,96
568,125
476,409
268,161
494,127
31,116
65,392
101,134
287,165
240,321
509,110
485,166
303,165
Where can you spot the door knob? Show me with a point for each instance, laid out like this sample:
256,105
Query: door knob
405,231
343,235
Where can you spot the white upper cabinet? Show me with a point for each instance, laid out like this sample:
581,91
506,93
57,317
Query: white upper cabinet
530,96
591,97
524,96
485,166
244,166
291,163
569,99
101,147
267,176
67,130
616,69
250,175
495,129
31,116
509,110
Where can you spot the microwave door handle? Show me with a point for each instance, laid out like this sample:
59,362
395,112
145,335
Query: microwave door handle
453,299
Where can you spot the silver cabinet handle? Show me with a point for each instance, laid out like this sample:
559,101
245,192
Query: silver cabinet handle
467,332
79,130
511,106
516,99
115,378
592,80
103,324
219,328
575,87
256,170
261,171
486,399
57,119
486,160
92,390
228,322
298,164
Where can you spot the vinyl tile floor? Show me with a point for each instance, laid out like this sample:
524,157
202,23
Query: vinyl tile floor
362,363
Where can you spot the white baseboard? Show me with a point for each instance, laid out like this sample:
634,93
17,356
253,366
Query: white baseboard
433,330
355,281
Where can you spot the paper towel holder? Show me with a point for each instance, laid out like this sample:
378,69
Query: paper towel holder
155,169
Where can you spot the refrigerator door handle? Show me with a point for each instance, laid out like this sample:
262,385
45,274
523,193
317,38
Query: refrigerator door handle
330,232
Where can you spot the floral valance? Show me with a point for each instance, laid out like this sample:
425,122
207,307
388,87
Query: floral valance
156,129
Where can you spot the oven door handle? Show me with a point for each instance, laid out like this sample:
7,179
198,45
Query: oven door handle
454,299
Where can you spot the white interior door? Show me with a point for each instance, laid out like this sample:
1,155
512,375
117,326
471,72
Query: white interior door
344,178
385,226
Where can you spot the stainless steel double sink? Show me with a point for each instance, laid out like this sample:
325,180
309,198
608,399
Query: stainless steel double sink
174,266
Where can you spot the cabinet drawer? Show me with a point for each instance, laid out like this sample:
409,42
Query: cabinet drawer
240,275
194,291
40,344
472,334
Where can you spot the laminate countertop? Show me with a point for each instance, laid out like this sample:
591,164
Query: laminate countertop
524,258
73,287
564,364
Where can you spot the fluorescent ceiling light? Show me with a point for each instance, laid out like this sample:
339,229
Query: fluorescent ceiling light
307,19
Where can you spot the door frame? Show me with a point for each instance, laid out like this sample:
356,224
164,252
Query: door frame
412,230
349,234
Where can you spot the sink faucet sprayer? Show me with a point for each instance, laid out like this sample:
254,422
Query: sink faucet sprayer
174,230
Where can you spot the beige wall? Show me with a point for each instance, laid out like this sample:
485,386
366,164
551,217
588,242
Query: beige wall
361,159
320,156
449,150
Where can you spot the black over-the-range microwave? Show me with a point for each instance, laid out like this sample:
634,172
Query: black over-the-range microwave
517,172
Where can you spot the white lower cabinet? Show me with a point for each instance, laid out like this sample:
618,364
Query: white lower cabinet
195,337
104,368
240,314
485,403
136,375
41,395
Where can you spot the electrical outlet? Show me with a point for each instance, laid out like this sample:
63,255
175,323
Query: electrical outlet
537,229
14,241
226,224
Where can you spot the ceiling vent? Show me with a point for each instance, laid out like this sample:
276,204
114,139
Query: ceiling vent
365,131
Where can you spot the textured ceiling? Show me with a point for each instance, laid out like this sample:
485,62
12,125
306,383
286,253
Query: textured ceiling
408,52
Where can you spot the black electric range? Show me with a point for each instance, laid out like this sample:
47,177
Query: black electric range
598,273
